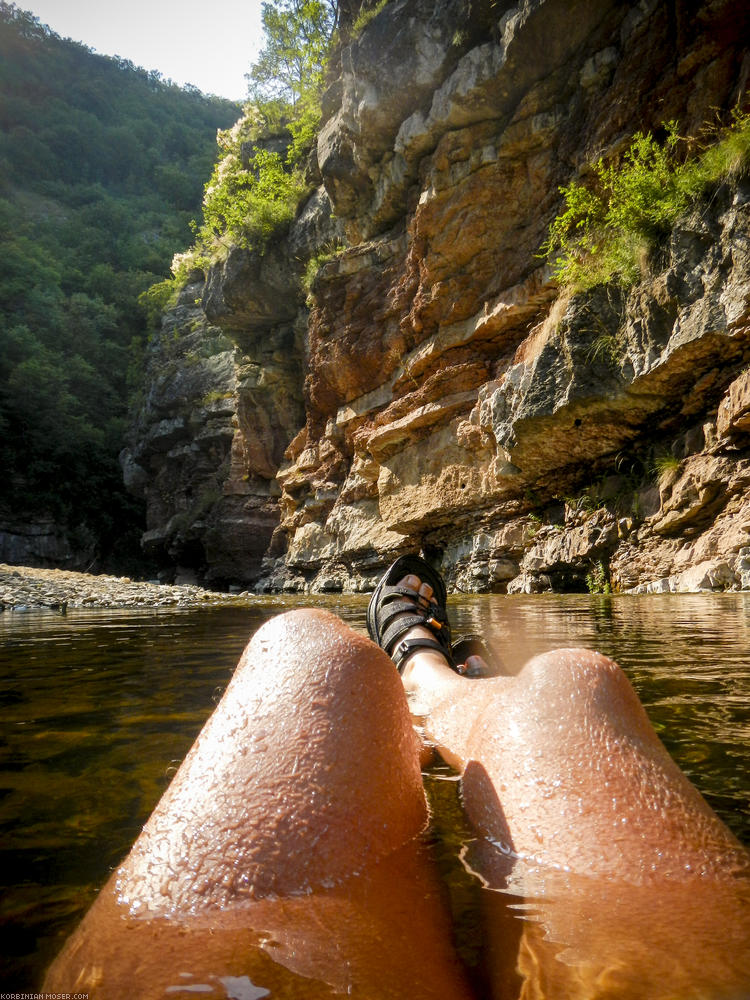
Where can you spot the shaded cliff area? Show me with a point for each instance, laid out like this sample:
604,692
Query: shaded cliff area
432,389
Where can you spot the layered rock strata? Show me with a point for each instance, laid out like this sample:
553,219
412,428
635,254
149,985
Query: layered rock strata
211,433
435,392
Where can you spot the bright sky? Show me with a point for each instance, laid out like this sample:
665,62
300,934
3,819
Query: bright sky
209,43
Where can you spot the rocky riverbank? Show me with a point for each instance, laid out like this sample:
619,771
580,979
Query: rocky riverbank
24,588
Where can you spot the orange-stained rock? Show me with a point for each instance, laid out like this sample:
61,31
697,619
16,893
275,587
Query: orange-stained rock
733,417
435,389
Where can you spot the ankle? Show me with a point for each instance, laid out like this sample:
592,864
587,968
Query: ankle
426,670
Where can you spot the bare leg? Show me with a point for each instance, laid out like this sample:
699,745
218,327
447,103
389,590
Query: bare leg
562,765
278,837
581,810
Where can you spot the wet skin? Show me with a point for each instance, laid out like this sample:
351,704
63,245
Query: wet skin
278,837
561,764
308,773
583,816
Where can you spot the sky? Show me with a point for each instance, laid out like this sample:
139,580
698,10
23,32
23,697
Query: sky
208,43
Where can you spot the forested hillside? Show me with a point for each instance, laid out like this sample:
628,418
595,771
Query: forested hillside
102,167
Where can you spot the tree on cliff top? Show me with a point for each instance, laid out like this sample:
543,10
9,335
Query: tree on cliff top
258,179
298,33
298,40
286,82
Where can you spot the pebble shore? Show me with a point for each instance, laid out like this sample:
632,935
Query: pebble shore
23,588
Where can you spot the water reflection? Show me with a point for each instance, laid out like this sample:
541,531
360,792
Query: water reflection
98,708
581,938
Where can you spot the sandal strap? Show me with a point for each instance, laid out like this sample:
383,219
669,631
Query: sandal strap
389,595
394,609
407,647
405,619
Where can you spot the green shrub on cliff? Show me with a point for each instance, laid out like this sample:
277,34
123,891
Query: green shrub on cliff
608,230
258,179
156,300
247,199
367,14
330,251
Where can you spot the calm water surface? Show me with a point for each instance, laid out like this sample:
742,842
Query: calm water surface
99,708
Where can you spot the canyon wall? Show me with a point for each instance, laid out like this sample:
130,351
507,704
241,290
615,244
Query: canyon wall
433,390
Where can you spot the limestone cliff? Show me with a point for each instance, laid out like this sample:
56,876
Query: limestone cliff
434,391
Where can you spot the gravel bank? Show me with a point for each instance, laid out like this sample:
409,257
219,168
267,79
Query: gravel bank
23,588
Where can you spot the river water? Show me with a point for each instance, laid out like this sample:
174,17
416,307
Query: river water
99,707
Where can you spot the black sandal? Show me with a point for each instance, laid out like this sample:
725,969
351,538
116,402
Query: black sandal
389,617
474,645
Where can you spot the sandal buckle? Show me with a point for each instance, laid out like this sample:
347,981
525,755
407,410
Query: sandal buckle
401,649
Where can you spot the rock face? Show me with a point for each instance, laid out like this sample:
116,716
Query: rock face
211,433
435,392
43,542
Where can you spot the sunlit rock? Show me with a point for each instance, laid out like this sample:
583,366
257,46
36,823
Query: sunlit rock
431,387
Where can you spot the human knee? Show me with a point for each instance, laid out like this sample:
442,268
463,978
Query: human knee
334,695
288,634
314,651
577,676
307,769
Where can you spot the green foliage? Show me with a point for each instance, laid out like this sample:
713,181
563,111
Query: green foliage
367,14
303,126
246,205
728,158
101,168
328,253
286,82
156,300
607,231
597,580
664,466
606,348
586,502
215,396
258,179
291,63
